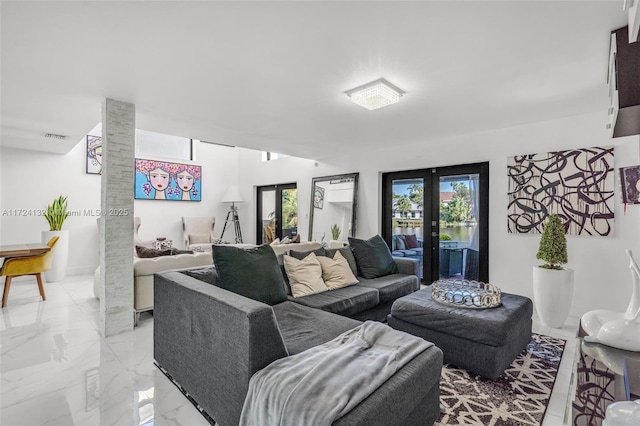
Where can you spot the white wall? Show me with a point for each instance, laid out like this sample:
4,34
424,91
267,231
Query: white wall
601,268
602,278
30,180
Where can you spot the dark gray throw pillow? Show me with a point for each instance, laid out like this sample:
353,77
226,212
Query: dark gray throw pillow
302,254
250,272
373,257
147,253
347,254
208,274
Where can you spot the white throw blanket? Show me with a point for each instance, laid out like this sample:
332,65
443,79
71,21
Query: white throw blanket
322,384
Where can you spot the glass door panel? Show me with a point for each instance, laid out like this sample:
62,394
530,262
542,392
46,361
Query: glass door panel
408,219
405,219
277,212
267,215
458,231
439,216
289,224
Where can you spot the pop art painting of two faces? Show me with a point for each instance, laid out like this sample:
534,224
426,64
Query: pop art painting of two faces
160,180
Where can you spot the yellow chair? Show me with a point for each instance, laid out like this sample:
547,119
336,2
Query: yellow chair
32,265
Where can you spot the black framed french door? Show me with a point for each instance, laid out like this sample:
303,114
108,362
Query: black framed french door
277,212
439,216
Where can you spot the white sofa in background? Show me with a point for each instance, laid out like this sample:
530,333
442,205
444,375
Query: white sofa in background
302,246
143,270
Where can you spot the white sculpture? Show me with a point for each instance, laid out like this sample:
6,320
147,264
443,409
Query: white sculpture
612,358
623,413
617,329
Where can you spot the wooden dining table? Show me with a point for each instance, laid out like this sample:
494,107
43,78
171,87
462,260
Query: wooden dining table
21,250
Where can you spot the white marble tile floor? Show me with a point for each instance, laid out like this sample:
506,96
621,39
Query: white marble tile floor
56,368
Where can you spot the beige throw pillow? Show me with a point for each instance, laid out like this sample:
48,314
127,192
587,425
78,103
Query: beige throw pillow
305,276
199,238
336,272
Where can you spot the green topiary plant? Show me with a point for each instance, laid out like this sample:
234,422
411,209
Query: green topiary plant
57,213
445,237
335,231
553,244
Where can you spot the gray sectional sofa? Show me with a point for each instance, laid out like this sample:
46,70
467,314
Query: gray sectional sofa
370,299
210,341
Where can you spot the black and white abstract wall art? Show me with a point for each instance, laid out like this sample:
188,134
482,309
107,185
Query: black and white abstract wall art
576,184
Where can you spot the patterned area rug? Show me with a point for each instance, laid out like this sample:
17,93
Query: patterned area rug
518,397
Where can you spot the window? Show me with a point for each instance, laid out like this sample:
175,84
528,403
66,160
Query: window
268,156
151,144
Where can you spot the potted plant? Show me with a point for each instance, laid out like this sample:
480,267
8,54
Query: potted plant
335,231
553,284
335,234
56,213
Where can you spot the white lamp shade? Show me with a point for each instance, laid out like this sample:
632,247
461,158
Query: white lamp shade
232,195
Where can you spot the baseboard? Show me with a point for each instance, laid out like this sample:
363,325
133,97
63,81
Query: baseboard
83,270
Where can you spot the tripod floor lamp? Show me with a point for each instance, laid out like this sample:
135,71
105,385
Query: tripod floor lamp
232,195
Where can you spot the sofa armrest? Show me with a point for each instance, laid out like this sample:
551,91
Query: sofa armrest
407,265
206,337
413,388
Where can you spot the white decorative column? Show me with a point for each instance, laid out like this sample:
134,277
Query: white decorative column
116,230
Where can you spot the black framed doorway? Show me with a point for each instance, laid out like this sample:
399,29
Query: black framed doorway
439,216
277,212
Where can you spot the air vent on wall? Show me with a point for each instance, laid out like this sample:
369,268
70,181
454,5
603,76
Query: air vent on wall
55,136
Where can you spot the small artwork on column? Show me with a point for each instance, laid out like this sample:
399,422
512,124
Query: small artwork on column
576,184
94,155
630,183
160,180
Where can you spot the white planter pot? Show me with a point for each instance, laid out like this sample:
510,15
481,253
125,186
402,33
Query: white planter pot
337,244
552,294
60,255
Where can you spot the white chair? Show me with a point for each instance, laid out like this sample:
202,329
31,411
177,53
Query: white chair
136,239
198,232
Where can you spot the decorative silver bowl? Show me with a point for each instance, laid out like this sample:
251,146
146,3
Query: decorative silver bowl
466,294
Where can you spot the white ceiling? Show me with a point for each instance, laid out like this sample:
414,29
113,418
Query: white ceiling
272,75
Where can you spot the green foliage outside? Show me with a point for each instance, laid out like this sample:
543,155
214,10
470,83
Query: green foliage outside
416,194
290,208
403,205
455,211
445,237
57,213
459,208
553,244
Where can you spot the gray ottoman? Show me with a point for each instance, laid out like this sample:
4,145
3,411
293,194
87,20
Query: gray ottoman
484,341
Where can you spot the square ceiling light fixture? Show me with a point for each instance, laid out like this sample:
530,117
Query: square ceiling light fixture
376,94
